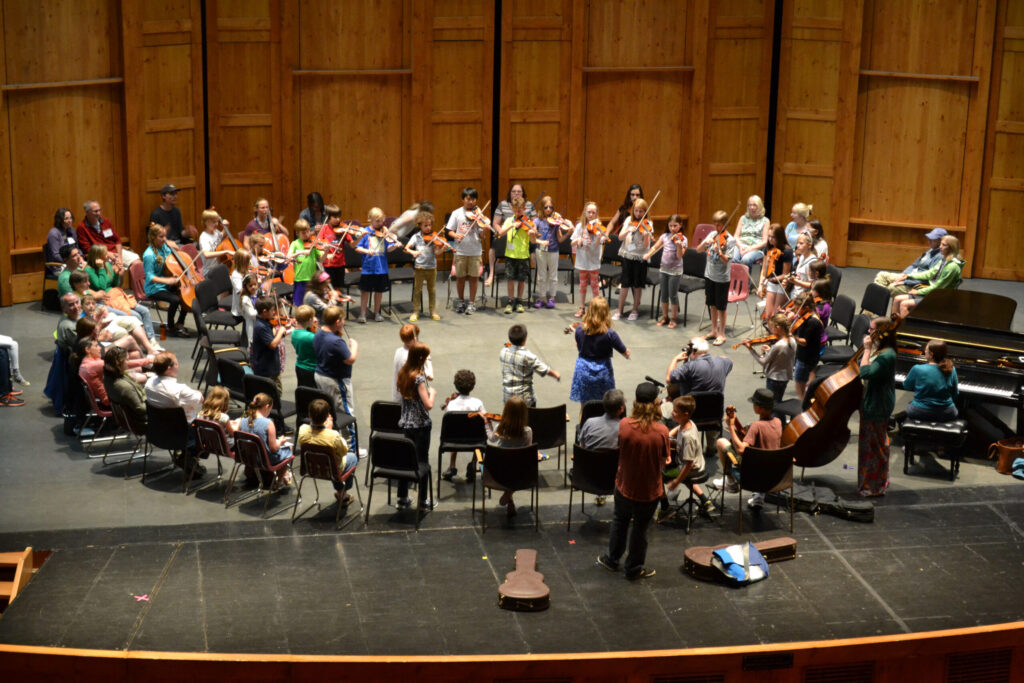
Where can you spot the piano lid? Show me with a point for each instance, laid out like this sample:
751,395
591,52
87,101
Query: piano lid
961,307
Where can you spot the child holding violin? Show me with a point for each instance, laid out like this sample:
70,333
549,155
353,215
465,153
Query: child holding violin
764,433
161,287
307,255
464,228
334,234
265,354
215,230
672,245
778,263
424,246
636,235
717,246
552,229
521,232
588,240
806,328
320,294
302,342
462,402
777,359
374,246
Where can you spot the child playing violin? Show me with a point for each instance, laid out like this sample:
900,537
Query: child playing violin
424,246
464,233
777,359
210,239
302,342
521,232
264,356
778,263
306,255
552,229
374,247
806,328
320,294
636,236
717,247
337,236
672,244
588,239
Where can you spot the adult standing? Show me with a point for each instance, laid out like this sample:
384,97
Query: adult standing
334,360
596,342
96,228
634,193
63,232
878,370
751,234
643,452
168,215
897,285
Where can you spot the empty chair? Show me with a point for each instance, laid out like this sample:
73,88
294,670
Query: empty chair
231,375
693,278
763,471
835,277
707,415
316,461
509,470
393,457
548,425
739,290
844,310
593,471
384,416
460,433
840,353
251,453
875,299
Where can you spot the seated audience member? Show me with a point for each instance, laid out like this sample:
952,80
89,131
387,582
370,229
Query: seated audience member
699,372
924,262
95,228
62,234
764,433
74,262
256,420
688,460
104,276
215,408
91,365
165,391
462,402
934,385
86,327
320,431
124,388
67,337
111,328
512,432
602,431
943,275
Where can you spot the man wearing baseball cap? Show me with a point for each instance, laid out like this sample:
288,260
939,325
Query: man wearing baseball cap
928,259
169,216
764,433
643,452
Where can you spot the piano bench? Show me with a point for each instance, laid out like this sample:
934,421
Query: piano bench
919,435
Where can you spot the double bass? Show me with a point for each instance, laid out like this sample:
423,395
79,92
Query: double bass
822,430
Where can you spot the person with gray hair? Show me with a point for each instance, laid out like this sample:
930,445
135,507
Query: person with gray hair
602,431
96,228
697,370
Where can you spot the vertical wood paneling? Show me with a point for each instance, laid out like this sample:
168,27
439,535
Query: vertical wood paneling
165,131
1000,239
63,143
534,133
808,100
243,52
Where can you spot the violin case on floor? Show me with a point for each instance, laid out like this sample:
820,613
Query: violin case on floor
822,500
697,560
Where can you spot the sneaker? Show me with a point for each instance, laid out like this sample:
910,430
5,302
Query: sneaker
435,316
363,453
459,306
707,508
85,432
607,563
449,474
519,307
539,303
361,320
21,380
378,318
550,303
644,573
404,504
730,485
413,318
633,316
665,515
427,506
469,310
508,308
616,315
10,401
756,501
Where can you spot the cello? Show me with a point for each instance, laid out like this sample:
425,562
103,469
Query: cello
822,430
228,243
279,242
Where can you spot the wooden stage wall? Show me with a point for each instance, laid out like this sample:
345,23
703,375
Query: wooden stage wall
891,117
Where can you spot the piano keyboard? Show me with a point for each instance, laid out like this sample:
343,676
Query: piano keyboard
971,388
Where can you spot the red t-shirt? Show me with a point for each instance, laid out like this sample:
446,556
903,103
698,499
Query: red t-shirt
764,434
335,258
642,455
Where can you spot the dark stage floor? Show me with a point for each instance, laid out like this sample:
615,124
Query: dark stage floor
930,561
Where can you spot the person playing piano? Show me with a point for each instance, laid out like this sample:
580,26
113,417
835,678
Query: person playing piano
934,385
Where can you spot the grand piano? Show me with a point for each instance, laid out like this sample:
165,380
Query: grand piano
988,355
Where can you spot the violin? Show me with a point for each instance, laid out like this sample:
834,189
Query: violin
730,416
767,339
279,242
644,227
435,238
572,327
492,417
594,227
455,395
477,217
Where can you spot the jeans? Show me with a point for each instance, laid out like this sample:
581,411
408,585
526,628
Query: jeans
924,414
641,515
777,387
142,313
749,259
348,462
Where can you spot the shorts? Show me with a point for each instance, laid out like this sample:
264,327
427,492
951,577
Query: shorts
802,371
467,266
517,269
374,283
634,273
716,294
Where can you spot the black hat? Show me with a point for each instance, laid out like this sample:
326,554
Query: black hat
646,393
168,189
763,398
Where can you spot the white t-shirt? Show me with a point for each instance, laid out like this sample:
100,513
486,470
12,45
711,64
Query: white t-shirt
402,355
469,245
588,248
208,242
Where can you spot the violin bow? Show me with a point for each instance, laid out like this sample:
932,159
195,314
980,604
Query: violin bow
649,206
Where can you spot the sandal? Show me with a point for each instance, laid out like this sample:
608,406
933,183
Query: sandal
671,324
718,341
579,313
709,336
662,320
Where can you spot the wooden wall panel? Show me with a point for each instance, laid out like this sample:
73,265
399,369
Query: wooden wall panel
919,132
166,132
536,62
808,98
243,53
1000,239
63,129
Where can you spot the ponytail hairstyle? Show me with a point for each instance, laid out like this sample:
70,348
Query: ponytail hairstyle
823,288
513,419
217,401
780,321
938,349
258,402
242,260
413,368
